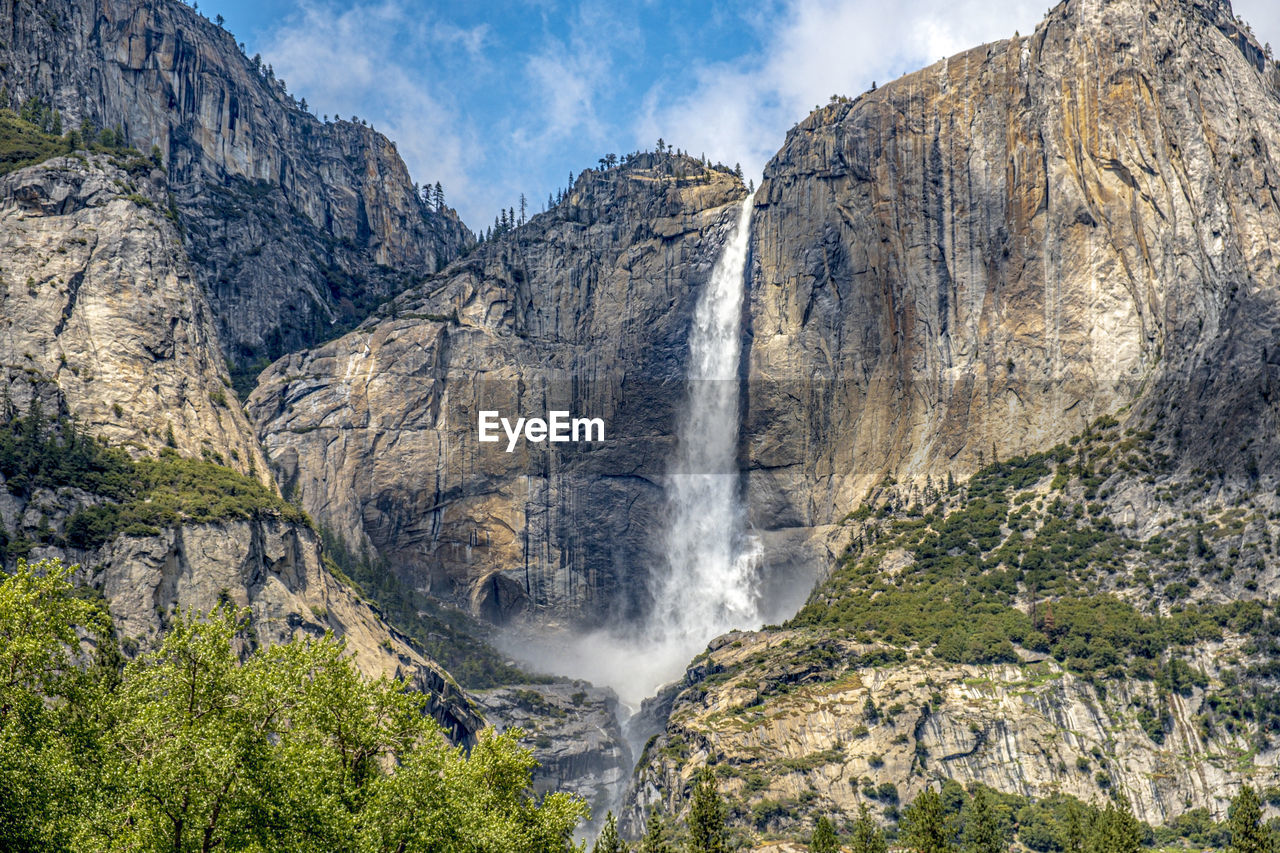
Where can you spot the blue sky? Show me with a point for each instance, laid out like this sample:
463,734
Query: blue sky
498,98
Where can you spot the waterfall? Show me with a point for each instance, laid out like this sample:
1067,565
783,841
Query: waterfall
710,581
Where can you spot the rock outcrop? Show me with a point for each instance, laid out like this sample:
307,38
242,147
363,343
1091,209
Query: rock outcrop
572,729
295,227
101,305
985,255
796,739
585,309
104,321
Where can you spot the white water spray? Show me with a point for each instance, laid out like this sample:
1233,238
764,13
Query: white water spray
709,581
710,585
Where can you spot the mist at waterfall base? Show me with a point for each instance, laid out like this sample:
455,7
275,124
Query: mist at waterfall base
710,581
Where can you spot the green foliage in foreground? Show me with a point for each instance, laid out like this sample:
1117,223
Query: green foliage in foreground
141,497
138,497
206,745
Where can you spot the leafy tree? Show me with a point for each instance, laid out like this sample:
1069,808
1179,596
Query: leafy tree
39,786
212,743
1248,835
655,835
823,839
927,829
981,828
867,836
608,840
706,816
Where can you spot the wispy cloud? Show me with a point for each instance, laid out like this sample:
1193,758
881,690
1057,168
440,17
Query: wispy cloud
811,49
532,89
358,61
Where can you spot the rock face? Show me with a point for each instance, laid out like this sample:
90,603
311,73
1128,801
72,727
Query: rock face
104,321
991,252
585,309
101,304
572,729
799,734
977,258
274,569
295,227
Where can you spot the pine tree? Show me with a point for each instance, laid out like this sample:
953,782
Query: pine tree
706,816
823,839
439,197
1248,835
867,837
927,829
1074,839
655,835
981,829
524,209
608,840
1115,830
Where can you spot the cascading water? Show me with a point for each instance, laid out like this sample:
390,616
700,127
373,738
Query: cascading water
710,582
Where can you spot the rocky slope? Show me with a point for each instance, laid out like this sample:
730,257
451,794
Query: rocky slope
295,227
584,309
1082,622
104,321
572,729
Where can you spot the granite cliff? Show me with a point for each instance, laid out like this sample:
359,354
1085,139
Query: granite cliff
295,227
584,309
106,325
987,254
974,262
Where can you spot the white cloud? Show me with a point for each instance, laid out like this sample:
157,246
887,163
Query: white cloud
343,62
812,49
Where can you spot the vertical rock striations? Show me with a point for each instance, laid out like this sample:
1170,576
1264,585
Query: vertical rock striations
585,309
985,255
295,227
